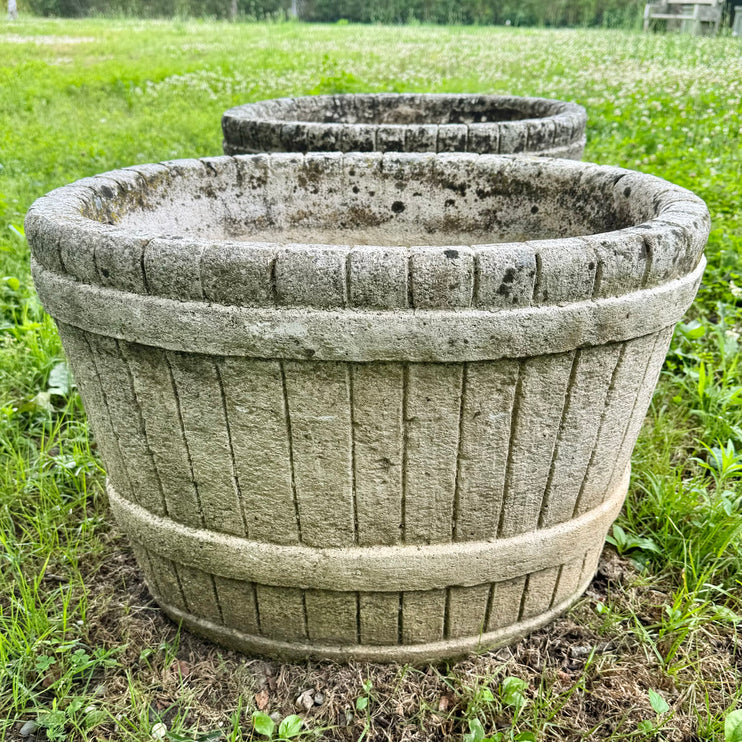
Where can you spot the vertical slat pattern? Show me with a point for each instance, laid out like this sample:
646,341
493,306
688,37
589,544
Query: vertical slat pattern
641,405
432,421
467,610
192,429
423,616
582,414
626,384
260,440
282,613
319,406
379,618
505,603
539,592
199,390
332,616
238,602
167,581
543,390
91,389
485,433
158,402
126,416
569,579
377,418
200,593
590,565
143,560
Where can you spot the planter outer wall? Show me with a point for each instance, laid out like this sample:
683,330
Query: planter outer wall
366,452
483,124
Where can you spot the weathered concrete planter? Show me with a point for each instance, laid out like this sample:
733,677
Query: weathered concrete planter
484,124
367,406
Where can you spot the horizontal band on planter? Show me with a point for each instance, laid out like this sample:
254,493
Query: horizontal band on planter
362,335
380,568
253,644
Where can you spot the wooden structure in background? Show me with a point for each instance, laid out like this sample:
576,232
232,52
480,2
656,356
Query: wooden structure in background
697,17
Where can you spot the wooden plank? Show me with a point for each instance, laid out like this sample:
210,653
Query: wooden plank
206,432
467,611
423,616
165,575
505,603
82,363
126,416
154,388
579,429
432,413
569,579
543,386
320,411
379,615
641,405
239,605
200,593
255,408
539,592
625,386
332,617
489,392
590,565
379,445
282,613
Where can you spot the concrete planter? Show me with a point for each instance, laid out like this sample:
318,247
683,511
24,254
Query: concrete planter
484,124
366,406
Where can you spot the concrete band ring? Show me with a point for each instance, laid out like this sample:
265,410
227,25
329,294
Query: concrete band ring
382,568
362,335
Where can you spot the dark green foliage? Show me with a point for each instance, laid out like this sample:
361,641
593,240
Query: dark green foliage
518,12
251,9
610,13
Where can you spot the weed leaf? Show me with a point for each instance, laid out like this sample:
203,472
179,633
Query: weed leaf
60,379
290,727
476,731
263,724
658,703
733,727
512,692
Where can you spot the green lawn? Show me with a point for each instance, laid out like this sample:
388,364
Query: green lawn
651,652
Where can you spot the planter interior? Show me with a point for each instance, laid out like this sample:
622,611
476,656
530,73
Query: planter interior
377,201
484,124
360,406
412,109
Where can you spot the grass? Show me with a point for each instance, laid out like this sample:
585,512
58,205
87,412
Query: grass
650,653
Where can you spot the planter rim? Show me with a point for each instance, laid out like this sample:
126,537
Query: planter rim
320,302
664,247
266,110
546,126
293,103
